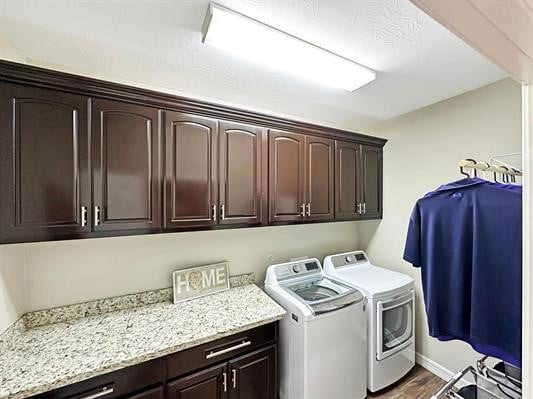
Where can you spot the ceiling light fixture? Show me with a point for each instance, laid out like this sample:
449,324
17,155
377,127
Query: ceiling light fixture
253,40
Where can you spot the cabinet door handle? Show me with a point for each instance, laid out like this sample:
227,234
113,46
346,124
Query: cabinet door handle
302,212
222,212
83,222
214,213
227,350
234,378
96,215
364,208
359,209
225,381
308,209
99,394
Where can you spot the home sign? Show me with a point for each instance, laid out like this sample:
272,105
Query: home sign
200,281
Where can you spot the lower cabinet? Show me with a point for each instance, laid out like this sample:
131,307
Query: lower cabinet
254,375
155,393
240,366
250,376
205,384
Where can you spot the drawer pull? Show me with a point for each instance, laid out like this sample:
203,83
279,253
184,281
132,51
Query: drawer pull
99,394
243,344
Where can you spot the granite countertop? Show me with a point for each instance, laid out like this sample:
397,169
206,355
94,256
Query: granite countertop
46,357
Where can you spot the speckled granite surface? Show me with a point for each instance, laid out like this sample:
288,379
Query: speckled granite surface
101,306
36,360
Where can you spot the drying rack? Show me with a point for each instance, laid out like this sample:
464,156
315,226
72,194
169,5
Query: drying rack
506,172
500,382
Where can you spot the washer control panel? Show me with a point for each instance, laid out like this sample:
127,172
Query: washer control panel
300,268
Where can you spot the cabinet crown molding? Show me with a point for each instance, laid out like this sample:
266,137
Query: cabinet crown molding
46,78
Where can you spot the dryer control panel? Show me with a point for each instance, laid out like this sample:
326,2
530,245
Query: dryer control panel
349,259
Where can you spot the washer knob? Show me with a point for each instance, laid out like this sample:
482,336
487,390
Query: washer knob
350,258
296,269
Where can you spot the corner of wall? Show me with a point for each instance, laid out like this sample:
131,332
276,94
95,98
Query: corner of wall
12,287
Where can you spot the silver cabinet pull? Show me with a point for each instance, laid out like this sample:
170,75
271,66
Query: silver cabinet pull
234,378
211,355
83,216
222,212
364,208
359,209
214,213
308,209
302,213
96,215
225,381
99,394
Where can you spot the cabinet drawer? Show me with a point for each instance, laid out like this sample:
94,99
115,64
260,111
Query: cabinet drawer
220,350
122,382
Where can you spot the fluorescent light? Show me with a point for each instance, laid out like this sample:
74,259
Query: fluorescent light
257,42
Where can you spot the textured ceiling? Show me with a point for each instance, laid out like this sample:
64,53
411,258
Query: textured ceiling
158,43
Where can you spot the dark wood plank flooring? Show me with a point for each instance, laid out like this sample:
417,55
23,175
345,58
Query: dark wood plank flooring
418,384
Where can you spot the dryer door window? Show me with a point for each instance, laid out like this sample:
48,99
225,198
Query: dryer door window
395,325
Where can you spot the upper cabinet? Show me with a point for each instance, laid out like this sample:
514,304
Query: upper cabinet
286,169
358,181
240,185
213,172
319,182
126,177
347,180
82,158
45,190
191,192
301,180
372,182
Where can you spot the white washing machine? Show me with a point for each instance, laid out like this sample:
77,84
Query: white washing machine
323,337
391,315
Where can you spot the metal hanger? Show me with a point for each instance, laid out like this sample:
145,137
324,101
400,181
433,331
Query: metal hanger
462,171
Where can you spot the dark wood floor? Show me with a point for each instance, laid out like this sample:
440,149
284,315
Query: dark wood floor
418,384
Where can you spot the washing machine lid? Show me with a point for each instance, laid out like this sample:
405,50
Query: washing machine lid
373,280
322,294
355,269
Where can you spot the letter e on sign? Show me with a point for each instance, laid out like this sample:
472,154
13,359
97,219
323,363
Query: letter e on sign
200,281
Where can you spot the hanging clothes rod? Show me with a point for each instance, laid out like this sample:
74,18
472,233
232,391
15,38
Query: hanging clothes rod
486,167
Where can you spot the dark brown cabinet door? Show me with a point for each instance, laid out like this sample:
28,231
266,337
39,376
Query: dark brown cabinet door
126,178
206,384
190,172
347,180
372,182
253,375
45,187
155,393
240,185
286,176
319,192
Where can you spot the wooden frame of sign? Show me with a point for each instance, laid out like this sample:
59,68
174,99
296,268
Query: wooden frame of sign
200,281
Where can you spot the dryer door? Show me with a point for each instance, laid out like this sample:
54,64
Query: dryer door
395,325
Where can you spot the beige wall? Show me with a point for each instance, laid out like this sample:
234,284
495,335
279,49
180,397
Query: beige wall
8,51
59,273
422,153
12,288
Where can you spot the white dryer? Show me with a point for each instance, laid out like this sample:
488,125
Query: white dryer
323,338
391,315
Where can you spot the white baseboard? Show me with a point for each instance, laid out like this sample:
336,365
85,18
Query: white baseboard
439,370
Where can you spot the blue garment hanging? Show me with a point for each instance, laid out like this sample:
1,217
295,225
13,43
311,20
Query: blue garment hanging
466,237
